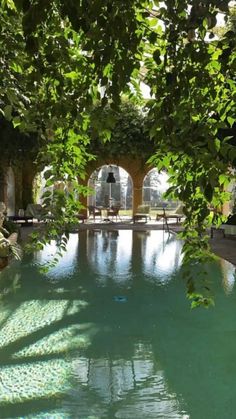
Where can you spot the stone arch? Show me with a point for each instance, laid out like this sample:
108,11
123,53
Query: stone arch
118,194
134,166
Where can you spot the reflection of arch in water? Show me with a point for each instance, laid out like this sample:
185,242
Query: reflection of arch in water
161,255
109,257
119,193
228,275
155,254
10,183
130,383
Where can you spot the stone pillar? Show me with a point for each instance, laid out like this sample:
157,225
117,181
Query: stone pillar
135,167
137,171
226,208
83,200
11,210
28,174
3,186
137,195
18,187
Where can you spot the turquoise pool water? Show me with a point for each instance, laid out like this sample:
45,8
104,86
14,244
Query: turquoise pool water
109,333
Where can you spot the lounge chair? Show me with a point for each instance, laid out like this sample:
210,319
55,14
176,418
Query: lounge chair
94,211
142,214
228,228
38,212
81,217
27,220
35,210
113,212
177,214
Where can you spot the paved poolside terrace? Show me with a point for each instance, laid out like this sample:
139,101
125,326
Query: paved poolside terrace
224,247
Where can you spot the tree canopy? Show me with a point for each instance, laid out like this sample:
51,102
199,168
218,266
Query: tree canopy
60,58
127,130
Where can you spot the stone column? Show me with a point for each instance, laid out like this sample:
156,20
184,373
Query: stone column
28,174
18,187
137,171
3,186
137,195
226,208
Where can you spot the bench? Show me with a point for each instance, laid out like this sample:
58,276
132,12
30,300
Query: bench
140,216
26,220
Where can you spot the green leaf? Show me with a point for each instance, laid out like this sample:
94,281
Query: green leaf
230,120
217,144
157,57
224,180
17,68
73,75
16,121
10,4
208,192
8,112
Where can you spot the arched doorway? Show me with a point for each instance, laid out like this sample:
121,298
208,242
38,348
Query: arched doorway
117,192
39,186
155,184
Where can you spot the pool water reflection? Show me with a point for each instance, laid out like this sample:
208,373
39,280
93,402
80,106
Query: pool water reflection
108,333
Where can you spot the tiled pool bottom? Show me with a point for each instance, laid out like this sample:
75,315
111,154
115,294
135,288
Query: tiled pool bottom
108,333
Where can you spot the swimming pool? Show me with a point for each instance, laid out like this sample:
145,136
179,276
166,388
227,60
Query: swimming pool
108,333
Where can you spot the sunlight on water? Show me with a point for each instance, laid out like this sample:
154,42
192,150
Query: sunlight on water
108,333
26,382
24,321
228,276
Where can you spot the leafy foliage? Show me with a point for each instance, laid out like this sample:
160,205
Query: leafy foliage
127,131
193,101
63,57
16,145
